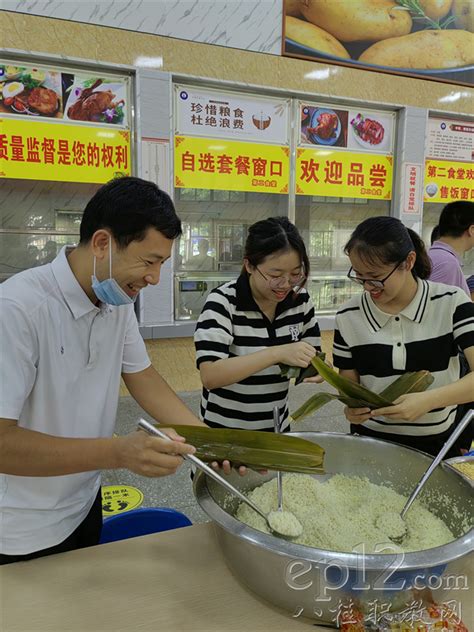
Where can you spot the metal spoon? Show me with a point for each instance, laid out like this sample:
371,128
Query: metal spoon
460,427
276,425
144,425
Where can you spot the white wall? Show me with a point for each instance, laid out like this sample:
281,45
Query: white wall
253,25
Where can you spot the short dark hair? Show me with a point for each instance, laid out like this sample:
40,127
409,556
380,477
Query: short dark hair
434,234
386,240
273,235
128,207
455,218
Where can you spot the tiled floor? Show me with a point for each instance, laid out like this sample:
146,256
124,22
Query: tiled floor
174,359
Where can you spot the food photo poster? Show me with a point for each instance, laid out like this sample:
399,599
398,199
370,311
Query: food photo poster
429,39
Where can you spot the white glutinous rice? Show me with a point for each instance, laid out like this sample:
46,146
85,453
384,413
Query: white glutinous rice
392,524
285,523
341,513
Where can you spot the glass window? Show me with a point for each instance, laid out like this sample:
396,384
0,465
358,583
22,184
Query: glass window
20,251
37,219
211,249
326,224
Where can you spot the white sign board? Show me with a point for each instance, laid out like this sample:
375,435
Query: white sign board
212,114
449,139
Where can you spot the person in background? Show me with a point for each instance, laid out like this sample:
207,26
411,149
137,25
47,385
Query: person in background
237,252
49,252
69,332
456,236
401,322
434,234
32,257
201,261
250,325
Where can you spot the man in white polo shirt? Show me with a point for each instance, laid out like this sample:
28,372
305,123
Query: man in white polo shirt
68,332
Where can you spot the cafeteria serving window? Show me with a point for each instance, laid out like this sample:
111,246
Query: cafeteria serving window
210,250
326,224
206,195
37,219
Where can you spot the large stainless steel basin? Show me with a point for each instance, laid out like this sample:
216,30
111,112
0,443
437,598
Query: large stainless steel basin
317,583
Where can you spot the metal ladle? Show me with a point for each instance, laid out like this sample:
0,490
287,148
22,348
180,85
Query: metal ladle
276,425
147,427
398,539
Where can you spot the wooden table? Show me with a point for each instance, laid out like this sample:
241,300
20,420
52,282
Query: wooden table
166,582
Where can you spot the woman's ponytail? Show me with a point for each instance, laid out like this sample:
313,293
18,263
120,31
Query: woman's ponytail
422,267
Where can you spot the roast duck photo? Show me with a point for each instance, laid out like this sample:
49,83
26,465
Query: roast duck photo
91,104
326,127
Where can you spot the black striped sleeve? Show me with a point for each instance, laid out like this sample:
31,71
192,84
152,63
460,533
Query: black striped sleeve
463,323
310,331
342,354
213,335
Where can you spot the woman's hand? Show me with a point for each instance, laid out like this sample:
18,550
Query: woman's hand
357,415
226,467
296,353
408,407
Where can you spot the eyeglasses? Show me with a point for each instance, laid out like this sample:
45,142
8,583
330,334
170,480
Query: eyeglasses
276,283
374,283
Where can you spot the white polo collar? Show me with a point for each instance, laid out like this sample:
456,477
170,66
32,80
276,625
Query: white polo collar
414,311
74,296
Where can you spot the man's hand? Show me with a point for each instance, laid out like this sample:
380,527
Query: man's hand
151,456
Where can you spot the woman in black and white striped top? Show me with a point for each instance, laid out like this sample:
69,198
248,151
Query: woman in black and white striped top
400,323
250,325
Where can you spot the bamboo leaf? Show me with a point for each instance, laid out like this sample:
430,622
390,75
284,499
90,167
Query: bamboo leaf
414,382
258,450
289,372
347,387
298,373
354,403
312,404
361,397
310,371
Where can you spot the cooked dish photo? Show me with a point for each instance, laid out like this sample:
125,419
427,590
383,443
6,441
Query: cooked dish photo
367,131
323,126
97,101
30,91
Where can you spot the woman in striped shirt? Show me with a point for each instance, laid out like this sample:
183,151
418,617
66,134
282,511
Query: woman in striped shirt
400,323
250,325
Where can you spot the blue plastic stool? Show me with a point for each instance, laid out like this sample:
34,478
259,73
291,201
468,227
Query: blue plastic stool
132,524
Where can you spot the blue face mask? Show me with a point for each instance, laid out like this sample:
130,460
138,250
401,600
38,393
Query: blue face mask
109,291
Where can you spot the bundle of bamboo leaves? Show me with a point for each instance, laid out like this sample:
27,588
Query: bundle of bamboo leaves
255,449
297,373
357,396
